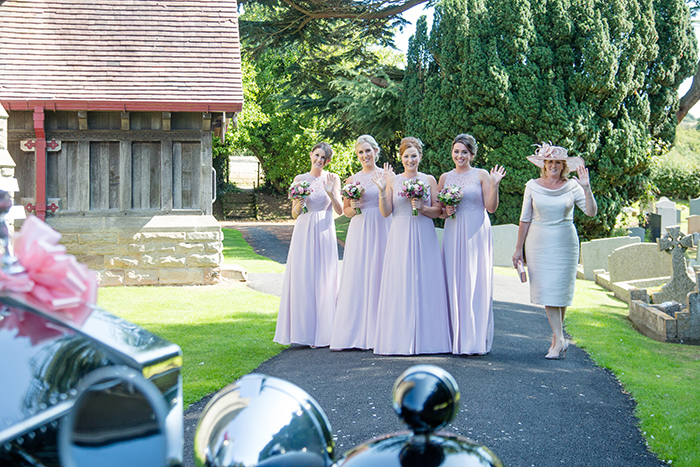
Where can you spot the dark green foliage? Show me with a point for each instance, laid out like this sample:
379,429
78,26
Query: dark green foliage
280,138
676,173
600,78
677,181
220,161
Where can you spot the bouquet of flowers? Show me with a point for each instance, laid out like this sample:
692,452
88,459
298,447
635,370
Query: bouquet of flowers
300,190
353,191
414,189
450,196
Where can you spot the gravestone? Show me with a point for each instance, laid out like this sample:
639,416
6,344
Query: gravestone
696,262
653,225
689,319
695,207
638,261
637,232
693,224
668,212
504,238
594,254
675,242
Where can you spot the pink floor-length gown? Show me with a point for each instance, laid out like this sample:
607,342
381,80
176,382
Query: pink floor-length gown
412,315
355,322
310,282
467,246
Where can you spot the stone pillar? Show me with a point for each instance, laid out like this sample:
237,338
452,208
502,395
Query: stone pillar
7,164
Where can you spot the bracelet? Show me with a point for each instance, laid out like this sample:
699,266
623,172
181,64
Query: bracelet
382,197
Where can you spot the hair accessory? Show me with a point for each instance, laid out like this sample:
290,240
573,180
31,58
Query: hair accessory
549,152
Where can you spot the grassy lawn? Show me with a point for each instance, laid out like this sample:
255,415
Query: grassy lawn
224,332
662,378
341,227
237,251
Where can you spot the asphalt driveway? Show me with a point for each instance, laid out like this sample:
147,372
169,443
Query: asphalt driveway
528,410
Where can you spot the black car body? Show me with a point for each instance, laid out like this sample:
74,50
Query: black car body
72,393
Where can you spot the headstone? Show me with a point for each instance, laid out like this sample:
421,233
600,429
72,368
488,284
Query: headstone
670,307
695,207
637,232
638,261
675,242
693,223
504,238
668,212
594,254
689,320
653,225
440,233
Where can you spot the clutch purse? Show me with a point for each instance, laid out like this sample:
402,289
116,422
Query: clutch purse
521,272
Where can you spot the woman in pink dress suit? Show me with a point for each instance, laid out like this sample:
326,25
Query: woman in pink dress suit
467,248
311,277
412,314
355,322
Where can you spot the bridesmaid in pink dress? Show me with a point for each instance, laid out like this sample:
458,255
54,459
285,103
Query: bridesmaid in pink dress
310,283
467,247
412,314
355,322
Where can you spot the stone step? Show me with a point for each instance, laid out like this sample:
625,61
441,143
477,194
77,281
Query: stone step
234,272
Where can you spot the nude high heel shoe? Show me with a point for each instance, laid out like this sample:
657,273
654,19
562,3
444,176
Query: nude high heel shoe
558,355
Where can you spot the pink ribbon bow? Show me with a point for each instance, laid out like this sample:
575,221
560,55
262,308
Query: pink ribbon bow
65,287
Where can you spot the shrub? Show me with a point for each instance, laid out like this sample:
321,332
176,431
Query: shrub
677,176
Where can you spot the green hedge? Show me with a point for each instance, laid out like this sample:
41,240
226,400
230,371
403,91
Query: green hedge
677,177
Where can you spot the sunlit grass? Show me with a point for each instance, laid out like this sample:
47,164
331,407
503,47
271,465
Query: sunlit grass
224,332
237,251
662,378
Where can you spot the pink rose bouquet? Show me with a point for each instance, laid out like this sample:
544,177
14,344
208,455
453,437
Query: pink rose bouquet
450,196
414,189
353,191
300,190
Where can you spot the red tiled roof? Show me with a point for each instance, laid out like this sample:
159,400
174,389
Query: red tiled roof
120,54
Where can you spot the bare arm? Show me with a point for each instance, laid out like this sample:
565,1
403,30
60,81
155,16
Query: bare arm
297,204
331,186
584,180
445,211
490,183
348,209
435,208
385,181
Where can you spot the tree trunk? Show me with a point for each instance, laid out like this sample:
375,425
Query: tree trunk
690,98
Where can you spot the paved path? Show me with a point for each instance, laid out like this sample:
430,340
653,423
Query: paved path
528,410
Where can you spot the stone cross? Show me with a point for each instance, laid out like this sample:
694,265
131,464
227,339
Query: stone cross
675,242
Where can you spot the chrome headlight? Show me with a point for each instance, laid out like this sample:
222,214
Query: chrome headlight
118,420
263,421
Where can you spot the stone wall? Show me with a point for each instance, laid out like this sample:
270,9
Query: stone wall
155,250
7,164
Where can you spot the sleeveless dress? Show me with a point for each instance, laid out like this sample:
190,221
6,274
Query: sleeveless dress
468,254
310,282
412,317
551,245
355,322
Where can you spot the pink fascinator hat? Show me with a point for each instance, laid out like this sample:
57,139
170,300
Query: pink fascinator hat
549,152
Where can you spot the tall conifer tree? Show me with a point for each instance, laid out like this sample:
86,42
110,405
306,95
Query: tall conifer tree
600,78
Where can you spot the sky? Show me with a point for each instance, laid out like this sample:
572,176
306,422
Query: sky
414,13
